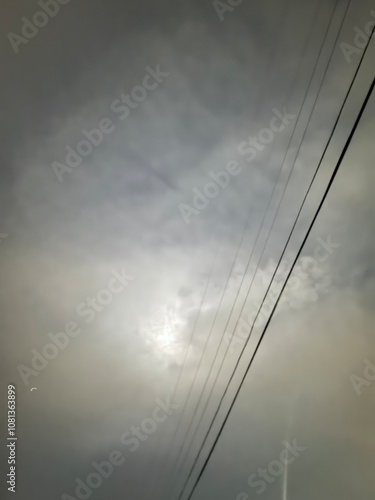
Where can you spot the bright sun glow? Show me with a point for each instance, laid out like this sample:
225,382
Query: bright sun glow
164,334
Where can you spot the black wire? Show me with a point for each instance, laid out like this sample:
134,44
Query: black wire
211,330
192,332
234,261
232,267
219,308
286,281
287,278
275,216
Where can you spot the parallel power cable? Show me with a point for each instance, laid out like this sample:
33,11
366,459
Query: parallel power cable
238,249
252,280
191,336
290,272
258,234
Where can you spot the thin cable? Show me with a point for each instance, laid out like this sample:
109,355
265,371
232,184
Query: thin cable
263,247
233,264
212,324
194,325
274,188
333,176
238,360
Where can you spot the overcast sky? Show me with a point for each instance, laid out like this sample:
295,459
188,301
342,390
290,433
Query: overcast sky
216,79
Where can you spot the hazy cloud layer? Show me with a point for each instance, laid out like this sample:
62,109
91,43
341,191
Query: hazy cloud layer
120,209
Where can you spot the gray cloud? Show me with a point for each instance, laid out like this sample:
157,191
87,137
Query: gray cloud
120,208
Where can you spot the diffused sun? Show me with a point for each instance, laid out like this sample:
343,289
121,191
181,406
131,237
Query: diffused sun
164,334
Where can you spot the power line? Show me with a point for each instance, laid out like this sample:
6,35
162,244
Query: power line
191,442
231,270
195,323
333,176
